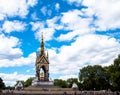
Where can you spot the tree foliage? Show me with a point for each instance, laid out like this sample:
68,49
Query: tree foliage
70,81
26,83
2,85
61,83
114,70
94,78
97,77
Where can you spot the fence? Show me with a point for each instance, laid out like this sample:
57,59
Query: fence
61,93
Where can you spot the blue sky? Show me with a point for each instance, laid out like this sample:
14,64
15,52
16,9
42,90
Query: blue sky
77,33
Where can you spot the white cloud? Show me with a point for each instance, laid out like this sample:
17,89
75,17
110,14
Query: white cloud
89,49
30,69
48,33
9,47
44,10
52,23
36,26
10,79
77,25
2,16
65,77
10,26
11,54
77,2
107,15
20,61
16,7
34,16
31,2
57,6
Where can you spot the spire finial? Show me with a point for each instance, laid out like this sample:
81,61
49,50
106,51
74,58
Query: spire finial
42,35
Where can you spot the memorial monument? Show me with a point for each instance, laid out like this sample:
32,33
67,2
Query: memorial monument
42,67
41,83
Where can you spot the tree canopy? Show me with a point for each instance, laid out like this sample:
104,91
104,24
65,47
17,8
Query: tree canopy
2,85
26,83
94,78
70,81
60,82
114,70
98,78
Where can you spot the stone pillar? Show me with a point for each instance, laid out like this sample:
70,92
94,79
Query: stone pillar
38,75
44,76
47,76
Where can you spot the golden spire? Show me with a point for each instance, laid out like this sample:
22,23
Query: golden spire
42,45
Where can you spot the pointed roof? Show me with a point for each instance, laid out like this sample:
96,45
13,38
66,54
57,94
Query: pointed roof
44,58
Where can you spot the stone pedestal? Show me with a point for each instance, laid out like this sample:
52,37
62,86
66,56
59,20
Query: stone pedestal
46,88
37,83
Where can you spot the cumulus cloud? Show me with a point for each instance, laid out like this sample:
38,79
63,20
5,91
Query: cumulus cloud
10,26
89,49
107,15
77,25
48,31
15,7
36,26
10,79
20,61
53,23
11,54
9,47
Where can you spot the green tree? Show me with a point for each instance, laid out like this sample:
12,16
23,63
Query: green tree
114,70
94,78
28,82
60,82
70,81
2,85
